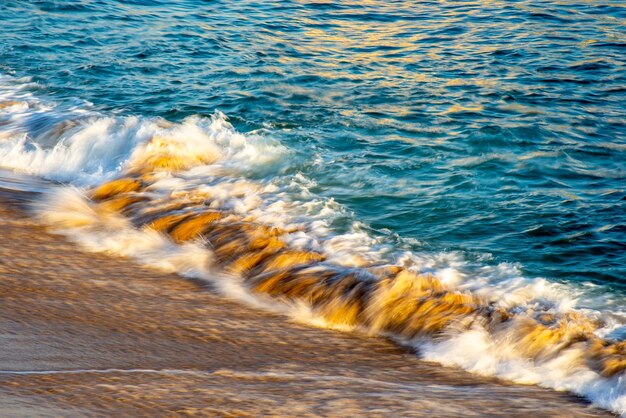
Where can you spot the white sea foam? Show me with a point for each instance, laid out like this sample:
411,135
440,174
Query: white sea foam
84,148
479,352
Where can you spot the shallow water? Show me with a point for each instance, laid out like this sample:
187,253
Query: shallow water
484,143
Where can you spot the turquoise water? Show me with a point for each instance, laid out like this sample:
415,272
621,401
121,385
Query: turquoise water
497,129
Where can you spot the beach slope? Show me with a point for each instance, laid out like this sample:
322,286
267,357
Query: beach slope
88,334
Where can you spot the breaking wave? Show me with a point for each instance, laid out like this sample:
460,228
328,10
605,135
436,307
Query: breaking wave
202,200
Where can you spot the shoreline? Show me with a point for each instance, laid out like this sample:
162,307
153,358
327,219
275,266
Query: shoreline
141,342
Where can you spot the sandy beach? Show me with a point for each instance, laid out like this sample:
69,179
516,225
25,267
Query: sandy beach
92,335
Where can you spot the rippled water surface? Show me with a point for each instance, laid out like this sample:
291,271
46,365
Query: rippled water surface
493,128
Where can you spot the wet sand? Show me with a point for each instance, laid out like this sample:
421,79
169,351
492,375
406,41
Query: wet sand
86,334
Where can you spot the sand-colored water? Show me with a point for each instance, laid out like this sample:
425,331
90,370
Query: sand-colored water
92,335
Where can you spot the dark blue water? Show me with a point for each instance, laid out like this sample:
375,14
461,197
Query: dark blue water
486,127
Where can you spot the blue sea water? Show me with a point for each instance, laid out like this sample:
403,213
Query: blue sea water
491,128
493,131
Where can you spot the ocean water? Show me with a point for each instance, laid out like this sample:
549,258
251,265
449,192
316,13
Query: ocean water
481,143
